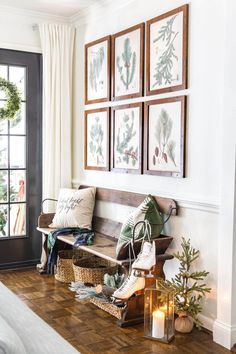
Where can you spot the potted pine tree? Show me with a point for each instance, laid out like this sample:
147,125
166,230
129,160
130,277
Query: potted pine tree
189,289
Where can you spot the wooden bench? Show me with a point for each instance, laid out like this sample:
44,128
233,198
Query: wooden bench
106,234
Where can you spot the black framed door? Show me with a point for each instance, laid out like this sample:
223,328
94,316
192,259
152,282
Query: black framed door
21,162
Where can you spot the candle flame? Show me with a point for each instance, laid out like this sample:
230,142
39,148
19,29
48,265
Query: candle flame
158,314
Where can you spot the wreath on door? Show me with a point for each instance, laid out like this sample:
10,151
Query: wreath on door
13,100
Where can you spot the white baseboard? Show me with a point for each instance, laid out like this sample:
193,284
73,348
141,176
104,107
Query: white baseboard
224,334
207,322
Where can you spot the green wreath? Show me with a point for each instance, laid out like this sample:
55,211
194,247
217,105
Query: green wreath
13,100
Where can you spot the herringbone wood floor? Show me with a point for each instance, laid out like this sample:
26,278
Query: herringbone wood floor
89,329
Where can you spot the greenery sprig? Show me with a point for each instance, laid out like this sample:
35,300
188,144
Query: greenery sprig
187,289
13,100
163,70
129,63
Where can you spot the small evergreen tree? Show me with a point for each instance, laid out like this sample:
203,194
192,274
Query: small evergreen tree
187,289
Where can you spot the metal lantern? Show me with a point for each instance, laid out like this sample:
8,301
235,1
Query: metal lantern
159,314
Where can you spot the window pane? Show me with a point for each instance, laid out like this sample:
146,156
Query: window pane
17,217
3,152
17,151
3,122
17,126
3,220
17,186
3,74
17,76
3,186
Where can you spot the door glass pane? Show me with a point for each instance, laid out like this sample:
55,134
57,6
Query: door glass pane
17,151
3,152
17,126
17,76
3,220
3,74
3,126
3,122
17,219
17,186
3,186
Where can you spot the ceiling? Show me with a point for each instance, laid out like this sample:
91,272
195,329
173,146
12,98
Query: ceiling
55,7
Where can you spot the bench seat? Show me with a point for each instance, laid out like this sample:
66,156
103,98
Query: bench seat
104,246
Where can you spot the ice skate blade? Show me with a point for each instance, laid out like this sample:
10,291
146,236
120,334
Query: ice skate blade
143,273
117,301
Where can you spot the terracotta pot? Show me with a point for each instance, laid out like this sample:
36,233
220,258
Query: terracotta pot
184,323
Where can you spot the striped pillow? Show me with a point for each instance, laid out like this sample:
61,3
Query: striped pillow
147,210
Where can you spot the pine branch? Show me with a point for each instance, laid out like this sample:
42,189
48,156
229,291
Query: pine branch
129,64
166,31
188,292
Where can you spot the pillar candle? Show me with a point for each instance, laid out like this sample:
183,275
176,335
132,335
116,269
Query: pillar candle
158,324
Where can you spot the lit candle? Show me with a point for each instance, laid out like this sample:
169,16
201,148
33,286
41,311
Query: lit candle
164,308
158,324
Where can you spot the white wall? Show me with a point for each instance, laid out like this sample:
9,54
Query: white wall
16,28
198,193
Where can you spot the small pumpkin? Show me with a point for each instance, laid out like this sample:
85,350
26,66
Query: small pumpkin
184,323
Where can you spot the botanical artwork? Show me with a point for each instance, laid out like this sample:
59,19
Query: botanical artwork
126,68
166,51
127,63
127,138
164,137
97,130
97,71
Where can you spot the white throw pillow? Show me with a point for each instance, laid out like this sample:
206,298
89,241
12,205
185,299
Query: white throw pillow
10,342
74,208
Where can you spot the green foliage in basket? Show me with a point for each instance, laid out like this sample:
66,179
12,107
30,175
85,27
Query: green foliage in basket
84,292
114,281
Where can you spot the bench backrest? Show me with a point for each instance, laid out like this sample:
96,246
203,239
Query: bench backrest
112,228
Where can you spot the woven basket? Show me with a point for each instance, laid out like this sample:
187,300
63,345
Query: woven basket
108,307
64,268
92,270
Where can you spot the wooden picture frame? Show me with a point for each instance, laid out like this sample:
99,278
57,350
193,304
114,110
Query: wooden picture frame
164,137
167,52
128,83
125,154
97,151
98,82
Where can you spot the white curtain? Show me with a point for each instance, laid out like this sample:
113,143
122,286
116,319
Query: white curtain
57,41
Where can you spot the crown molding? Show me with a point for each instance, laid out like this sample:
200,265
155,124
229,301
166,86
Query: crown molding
97,11
80,18
33,14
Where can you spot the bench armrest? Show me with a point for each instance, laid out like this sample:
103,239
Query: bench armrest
45,220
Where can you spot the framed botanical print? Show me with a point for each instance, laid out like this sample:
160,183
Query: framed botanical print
166,52
164,137
97,71
96,139
126,138
127,63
